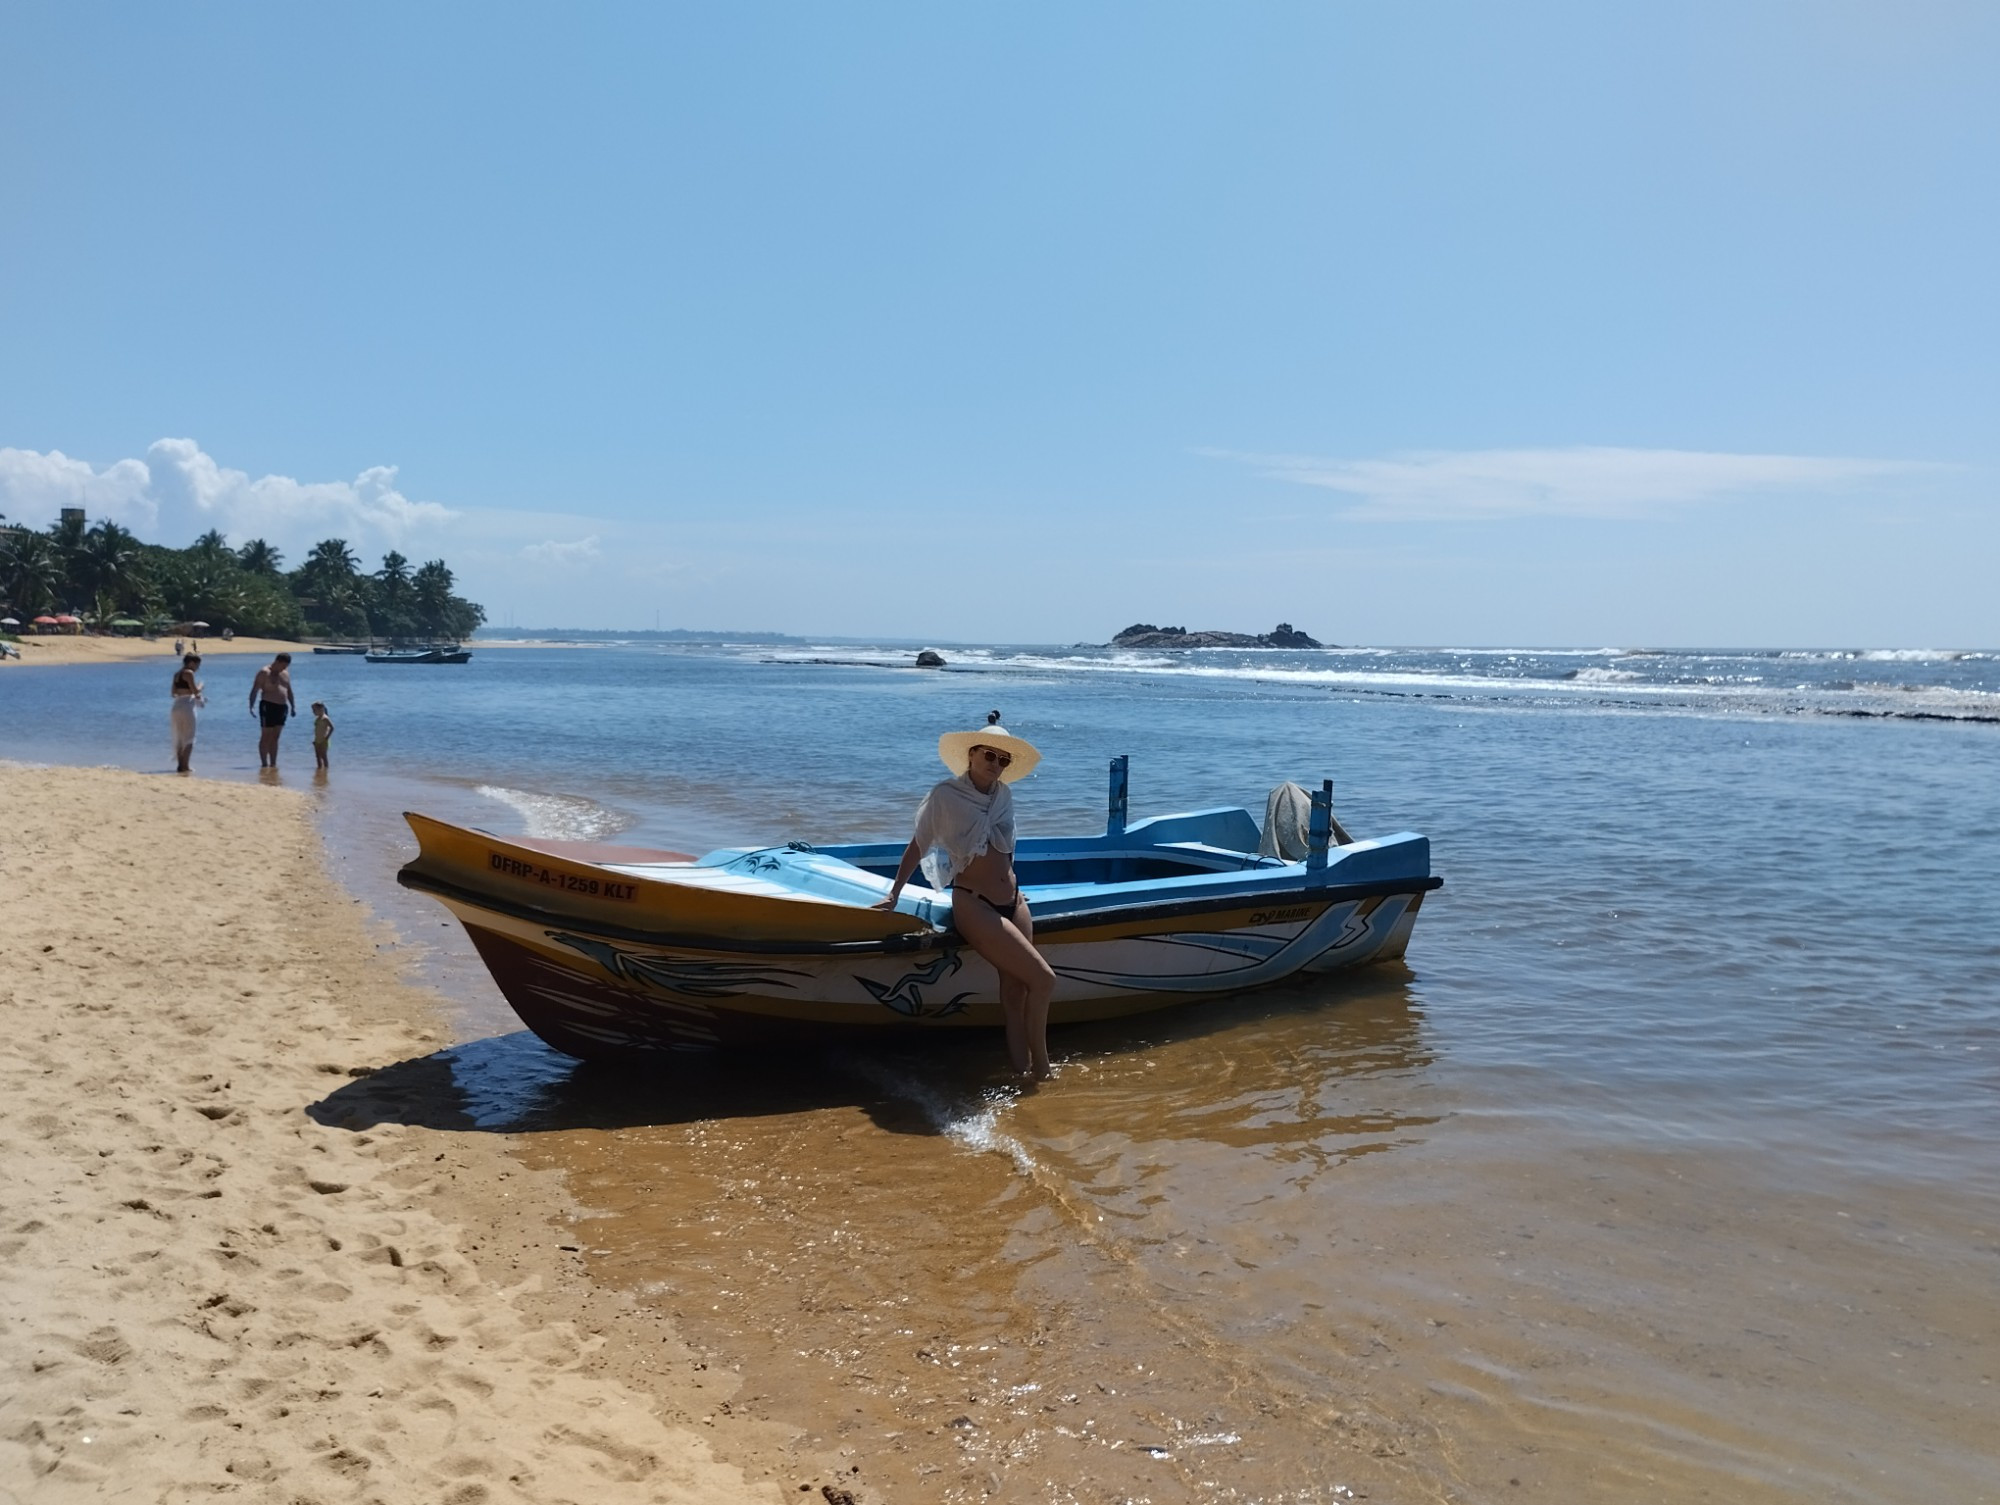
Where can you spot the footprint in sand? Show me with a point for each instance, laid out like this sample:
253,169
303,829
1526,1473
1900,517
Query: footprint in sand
105,1346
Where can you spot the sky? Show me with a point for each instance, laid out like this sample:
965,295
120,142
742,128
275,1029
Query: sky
1547,323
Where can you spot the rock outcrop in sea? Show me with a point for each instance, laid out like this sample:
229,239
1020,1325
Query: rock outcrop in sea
1146,635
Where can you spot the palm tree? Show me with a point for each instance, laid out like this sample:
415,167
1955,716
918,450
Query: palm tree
32,571
260,558
343,610
333,559
326,581
202,587
431,588
113,569
328,563
391,604
66,536
211,542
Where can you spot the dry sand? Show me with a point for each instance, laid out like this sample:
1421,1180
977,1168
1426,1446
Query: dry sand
82,648
217,1285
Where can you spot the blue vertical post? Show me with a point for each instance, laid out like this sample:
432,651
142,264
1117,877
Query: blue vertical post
1318,833
1114,821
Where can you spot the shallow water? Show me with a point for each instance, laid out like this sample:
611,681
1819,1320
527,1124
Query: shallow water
1663,1170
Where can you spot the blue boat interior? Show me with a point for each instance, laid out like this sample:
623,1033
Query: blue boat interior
1202,854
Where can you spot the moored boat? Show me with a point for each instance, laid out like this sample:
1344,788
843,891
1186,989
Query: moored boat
452,655
621,953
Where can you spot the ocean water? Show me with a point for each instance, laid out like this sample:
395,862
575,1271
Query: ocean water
1663,1169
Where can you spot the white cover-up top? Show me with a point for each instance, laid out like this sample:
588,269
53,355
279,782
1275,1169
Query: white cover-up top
955,823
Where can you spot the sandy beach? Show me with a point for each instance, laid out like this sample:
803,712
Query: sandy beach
225,1274
63,648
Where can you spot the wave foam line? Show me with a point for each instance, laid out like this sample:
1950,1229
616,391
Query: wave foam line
558,817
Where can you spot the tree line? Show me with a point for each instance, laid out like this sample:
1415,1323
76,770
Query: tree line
104,574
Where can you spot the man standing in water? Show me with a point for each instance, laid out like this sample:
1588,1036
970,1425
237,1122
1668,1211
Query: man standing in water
272,704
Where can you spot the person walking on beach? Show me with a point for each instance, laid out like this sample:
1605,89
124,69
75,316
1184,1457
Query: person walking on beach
272,704
180,717
965,844
322,732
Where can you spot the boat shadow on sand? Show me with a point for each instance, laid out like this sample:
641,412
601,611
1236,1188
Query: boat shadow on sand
1359,1022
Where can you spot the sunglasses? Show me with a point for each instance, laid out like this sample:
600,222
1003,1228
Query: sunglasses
1005,760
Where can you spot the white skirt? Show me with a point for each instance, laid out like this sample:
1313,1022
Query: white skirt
181,719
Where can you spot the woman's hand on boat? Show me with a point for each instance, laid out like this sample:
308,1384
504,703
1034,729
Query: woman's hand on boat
888,903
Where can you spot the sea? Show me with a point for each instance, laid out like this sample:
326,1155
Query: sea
1665,1167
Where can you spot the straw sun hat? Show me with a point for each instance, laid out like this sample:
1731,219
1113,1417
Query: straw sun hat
955,747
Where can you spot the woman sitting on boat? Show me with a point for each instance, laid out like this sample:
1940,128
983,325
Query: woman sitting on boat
965,843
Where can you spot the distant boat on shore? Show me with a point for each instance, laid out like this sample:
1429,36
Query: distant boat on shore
340,648
451,655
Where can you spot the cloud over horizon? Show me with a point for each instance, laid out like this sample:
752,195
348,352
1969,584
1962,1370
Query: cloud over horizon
179,492
554,551
1582,481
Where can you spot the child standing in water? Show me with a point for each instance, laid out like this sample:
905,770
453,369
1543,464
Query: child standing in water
322,732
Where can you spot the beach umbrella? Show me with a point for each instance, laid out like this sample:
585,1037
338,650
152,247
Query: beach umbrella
45,621
66,620
197,624
10,621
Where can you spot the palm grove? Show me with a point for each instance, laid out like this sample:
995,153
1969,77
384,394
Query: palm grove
106,576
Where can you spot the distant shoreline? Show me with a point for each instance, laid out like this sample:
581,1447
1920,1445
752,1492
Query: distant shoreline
82,648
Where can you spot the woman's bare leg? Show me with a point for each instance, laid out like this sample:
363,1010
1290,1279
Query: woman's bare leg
1014,1006
1036,1003
1026,979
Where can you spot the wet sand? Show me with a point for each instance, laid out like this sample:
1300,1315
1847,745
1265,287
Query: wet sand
232,1265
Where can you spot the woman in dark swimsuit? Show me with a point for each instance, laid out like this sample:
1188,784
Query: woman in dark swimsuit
965,842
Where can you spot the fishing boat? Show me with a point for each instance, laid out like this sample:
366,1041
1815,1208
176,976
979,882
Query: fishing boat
340,647
621,953
452,655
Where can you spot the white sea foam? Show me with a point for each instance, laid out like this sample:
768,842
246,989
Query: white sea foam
1597,676
558,817
978,1129
1886,655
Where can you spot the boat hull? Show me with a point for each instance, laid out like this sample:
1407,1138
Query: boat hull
610,996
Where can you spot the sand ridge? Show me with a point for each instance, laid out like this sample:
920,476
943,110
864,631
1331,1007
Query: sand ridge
209,1290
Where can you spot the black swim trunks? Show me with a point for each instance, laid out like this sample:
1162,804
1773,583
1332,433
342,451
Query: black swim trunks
273,712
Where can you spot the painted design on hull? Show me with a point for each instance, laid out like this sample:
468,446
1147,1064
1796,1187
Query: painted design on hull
1342,933
906,994
703,979
585,1017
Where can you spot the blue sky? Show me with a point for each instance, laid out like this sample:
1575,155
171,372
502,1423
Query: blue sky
1549,323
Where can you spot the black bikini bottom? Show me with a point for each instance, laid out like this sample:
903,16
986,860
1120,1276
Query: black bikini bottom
1005,911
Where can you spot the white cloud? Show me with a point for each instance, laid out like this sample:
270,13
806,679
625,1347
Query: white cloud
178,492
551,551
35,487
1583,481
